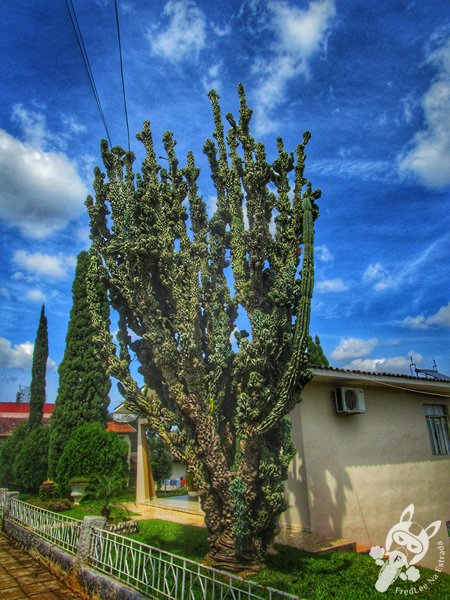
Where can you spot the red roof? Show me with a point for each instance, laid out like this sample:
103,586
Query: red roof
21,412
23,409
120,427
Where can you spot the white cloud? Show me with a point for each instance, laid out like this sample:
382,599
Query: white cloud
19,356
323,253
381,279
39,264
35,296
353,348
394,364
429,157
221,31
212,80
33,125
300,34
418,322
35,131
440,319
332,285
185,34
40,191
365,170
373,272
377,275
366,364
72,126
409,105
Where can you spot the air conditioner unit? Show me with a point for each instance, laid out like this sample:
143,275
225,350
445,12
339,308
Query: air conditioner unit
349,401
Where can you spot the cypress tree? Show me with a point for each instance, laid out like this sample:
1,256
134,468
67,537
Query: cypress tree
38,372
316,354
83,382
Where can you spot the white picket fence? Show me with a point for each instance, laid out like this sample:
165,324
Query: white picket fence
153,572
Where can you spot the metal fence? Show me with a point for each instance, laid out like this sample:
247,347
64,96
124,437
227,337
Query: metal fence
61,531
159,574
2,504
153,572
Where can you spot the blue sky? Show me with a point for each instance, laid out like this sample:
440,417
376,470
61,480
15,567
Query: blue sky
371,81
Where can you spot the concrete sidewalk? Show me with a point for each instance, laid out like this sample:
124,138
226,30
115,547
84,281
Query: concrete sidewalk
21,576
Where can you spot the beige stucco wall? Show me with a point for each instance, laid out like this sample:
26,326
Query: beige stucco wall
354,475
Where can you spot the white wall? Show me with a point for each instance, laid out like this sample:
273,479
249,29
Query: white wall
353,475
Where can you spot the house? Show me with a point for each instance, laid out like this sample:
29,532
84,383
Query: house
13,414
368,446
125,431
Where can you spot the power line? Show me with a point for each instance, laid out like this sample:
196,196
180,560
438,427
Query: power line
121,73
82,47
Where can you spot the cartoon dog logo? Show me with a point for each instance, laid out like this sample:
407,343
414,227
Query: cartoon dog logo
406,543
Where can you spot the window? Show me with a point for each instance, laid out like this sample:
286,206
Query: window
437,423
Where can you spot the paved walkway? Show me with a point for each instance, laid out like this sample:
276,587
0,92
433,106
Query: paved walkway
187,511
21,576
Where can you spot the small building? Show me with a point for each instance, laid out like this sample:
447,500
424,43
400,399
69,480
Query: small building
368,446
13,414
23,396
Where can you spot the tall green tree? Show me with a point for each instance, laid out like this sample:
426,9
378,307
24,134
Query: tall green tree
31,460
222,413
83,381
38,373
316,354
9,450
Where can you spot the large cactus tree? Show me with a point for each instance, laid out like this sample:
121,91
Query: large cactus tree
178,281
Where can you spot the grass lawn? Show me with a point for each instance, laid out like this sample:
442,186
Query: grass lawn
344,576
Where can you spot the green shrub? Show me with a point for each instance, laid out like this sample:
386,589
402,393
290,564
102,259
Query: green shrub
55,505
59,505
92,452
108,490
49,490
31,463
9,450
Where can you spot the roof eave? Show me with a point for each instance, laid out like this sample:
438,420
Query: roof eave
355,378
